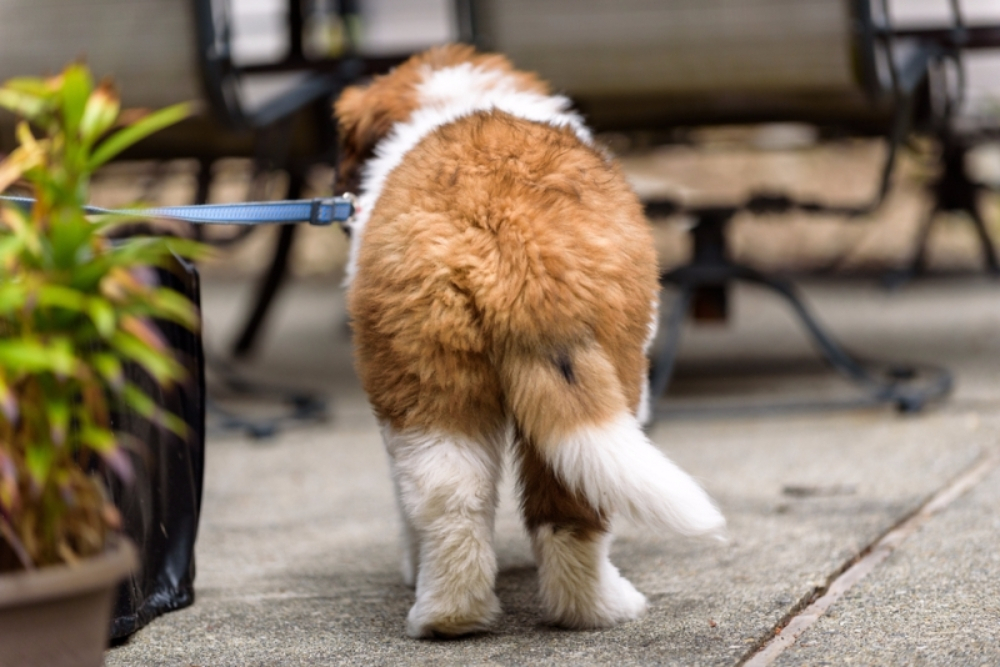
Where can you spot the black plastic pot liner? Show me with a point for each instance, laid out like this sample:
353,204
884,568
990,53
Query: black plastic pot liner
161,507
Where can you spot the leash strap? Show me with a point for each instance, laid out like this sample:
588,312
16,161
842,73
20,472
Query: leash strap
322,211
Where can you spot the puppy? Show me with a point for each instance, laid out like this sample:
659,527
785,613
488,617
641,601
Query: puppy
503,289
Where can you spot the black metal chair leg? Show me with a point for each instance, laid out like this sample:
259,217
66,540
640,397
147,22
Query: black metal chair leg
909,387
828,348
203,187
666,357
953,191
895,382
919,264
273,280
989,251
898,277
204,181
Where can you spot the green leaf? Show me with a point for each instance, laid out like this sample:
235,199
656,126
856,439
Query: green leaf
110,368
164,368
189,249
136,132
104,442
70,239
22,103
10,248
145,406
171,305
38,459
24,356
58,411
141,252
106,222
100,440
12,297
57,296
30,85
151,252
102,315
156,248
87,277
28,355
76,87
100,113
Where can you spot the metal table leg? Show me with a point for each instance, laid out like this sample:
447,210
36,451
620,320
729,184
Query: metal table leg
909,387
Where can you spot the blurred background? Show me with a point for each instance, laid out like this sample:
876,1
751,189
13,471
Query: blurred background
268,47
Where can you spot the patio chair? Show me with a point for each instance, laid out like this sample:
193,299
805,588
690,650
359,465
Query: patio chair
644,65
963,126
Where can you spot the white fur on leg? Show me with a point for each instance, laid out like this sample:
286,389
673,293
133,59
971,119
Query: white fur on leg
579,587
645,411
411,540
448,490
617,469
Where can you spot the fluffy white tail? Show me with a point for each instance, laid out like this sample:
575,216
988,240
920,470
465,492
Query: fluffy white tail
572,412
616,468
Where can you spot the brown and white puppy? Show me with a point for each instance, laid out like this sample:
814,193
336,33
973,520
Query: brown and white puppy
503,288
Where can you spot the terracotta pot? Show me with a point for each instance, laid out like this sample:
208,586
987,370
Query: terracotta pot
60,616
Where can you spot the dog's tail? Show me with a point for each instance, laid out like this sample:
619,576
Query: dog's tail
569,406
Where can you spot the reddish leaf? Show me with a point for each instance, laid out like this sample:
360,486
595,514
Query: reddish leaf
119,462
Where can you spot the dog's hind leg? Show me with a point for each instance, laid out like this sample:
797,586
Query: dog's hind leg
583,458
578,585
411,539
447,490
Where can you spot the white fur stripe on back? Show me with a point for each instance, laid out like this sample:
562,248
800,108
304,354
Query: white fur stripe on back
446,95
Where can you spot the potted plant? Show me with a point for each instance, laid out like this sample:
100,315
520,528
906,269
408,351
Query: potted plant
75,308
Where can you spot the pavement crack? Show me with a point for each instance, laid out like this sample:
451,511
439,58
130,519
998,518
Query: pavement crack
814,605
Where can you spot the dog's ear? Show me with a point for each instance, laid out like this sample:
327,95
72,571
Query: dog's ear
363,118
354,123
355,115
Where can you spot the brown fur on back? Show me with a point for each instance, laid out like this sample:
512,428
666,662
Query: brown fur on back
497,236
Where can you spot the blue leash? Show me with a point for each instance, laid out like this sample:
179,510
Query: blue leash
321,211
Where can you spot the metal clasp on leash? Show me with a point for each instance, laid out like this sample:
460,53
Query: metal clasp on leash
327,210
352,200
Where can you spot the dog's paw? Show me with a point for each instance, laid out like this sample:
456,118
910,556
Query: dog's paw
620,602
439,619
614,600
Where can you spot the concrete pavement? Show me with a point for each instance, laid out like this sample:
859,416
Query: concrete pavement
298,552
